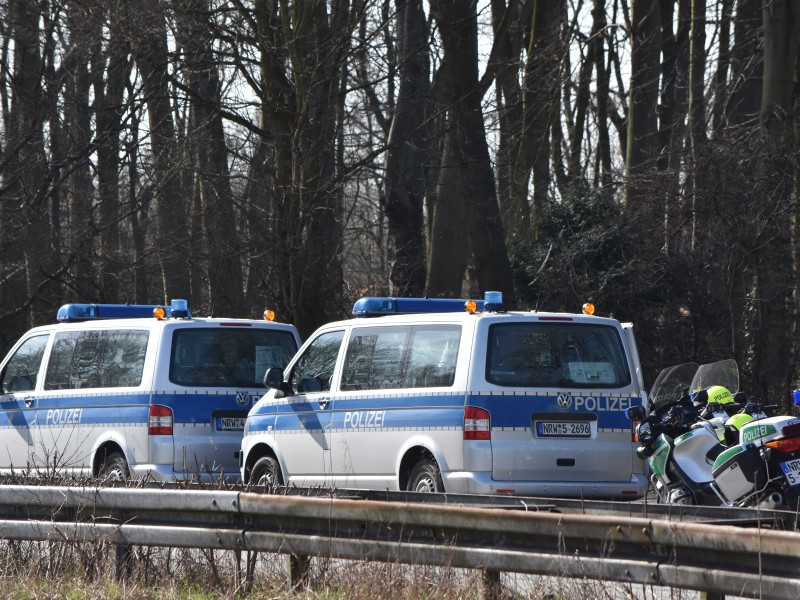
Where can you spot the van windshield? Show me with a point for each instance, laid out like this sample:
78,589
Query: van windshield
235,357
556,355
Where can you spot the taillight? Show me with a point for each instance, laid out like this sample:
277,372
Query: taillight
790,442
160,421
635,430
476,423
786,445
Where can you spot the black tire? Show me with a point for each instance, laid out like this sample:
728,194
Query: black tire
266,472
425,477
114,468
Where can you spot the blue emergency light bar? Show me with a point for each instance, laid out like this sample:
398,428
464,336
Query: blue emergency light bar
796,397
375,306
74,313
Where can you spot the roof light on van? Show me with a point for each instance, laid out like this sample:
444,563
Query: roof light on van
376,306
471,306
493,301
588,308
180,310
74,313
269,315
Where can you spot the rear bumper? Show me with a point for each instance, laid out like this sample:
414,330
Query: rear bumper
481,482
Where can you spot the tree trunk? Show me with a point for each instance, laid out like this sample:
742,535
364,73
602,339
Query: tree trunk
26,243
114,65
172,237
466,174
404,187
746,63
781,51
302,105
211,159
542,78
642,102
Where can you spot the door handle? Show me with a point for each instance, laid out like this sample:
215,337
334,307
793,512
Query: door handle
28,401
323,403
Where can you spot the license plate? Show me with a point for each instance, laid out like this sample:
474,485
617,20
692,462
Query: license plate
230,423
563,429
791,470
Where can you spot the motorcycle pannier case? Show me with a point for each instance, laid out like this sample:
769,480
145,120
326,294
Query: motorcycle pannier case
739,471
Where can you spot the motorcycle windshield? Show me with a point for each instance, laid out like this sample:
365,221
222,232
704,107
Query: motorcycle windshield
723,372
670,383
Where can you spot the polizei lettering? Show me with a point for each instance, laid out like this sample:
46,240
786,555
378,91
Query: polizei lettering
364,419
601,403
64,416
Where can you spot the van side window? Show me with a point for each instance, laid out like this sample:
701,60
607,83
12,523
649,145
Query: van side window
22,369
313,371
432,356
96,359
401,357
556,355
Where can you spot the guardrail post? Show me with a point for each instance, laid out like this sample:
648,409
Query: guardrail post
711,596
298,566
123,561
492,588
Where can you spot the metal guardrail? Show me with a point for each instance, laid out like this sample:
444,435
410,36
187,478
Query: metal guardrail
722,559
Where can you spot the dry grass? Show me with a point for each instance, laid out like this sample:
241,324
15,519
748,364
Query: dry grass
59,570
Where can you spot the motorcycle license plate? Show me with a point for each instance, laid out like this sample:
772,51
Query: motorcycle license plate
563,429
791,470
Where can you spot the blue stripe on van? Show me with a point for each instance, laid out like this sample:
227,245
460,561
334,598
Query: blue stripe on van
418,411
509,410
132,408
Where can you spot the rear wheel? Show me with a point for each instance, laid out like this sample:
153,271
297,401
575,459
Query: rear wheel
266,472
426,477
114,468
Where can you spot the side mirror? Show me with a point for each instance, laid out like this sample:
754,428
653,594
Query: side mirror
644,452
701,397
20,383
635,413
740,397
273,378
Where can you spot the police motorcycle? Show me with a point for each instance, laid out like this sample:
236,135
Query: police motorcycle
684,436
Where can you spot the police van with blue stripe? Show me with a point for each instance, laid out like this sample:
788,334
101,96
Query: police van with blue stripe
447,396
135,391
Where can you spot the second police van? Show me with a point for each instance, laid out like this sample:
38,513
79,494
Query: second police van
474,401
135,391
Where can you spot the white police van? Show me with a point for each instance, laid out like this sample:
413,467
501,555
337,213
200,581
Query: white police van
129,391
475,401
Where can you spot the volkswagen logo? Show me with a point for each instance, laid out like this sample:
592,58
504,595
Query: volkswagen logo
565,400
243,398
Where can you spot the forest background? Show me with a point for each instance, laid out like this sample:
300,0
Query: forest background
244,154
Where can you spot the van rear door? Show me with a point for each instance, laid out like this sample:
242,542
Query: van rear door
216,372
561,389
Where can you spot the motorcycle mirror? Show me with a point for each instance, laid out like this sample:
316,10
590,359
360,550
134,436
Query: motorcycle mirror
635,413
740,397
644,452
701,397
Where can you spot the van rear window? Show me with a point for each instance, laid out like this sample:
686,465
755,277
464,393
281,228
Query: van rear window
577,355
230,357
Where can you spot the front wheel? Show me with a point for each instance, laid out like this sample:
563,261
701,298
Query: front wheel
266,472
114,468
425,477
